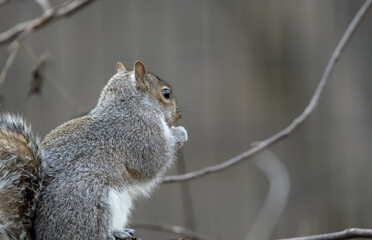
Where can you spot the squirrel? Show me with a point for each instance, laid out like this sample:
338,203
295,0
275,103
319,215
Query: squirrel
85,174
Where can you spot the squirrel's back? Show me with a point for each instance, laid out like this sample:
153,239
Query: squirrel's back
20,176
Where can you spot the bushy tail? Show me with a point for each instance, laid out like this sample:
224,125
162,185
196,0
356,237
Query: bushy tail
20,177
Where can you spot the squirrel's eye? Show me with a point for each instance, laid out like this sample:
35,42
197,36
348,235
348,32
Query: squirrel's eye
166,93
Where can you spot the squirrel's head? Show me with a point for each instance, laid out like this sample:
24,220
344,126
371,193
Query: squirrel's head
126,85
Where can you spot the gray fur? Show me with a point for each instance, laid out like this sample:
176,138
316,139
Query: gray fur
123,143
20,177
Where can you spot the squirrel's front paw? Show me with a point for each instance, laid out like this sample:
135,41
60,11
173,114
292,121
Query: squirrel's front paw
124,234
180,134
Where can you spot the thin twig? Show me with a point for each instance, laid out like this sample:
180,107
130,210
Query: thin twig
71,7
13,52
30,52
170,229
3,2
346,234
24,29
44,4
276,199
296,122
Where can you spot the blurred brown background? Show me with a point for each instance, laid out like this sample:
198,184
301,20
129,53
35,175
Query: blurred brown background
241,70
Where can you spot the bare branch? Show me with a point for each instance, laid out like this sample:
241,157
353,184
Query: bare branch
276,199
170,229
71,7
13,52
44,4
22,30
346,234
3,2
296,122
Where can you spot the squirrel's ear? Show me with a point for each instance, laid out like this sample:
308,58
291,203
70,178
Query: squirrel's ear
120,67
140,73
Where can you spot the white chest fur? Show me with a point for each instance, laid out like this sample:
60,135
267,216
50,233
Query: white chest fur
121,203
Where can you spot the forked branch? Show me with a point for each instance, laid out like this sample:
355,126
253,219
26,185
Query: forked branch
296,122
170,229
22,30
346,234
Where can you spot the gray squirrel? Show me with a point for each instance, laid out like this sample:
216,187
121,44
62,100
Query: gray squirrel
92,167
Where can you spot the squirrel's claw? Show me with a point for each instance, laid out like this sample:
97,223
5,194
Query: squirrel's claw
124,234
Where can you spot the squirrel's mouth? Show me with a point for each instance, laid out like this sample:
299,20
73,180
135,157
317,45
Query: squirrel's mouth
173,119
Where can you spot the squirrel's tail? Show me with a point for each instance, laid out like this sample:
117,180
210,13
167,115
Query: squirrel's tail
20,177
